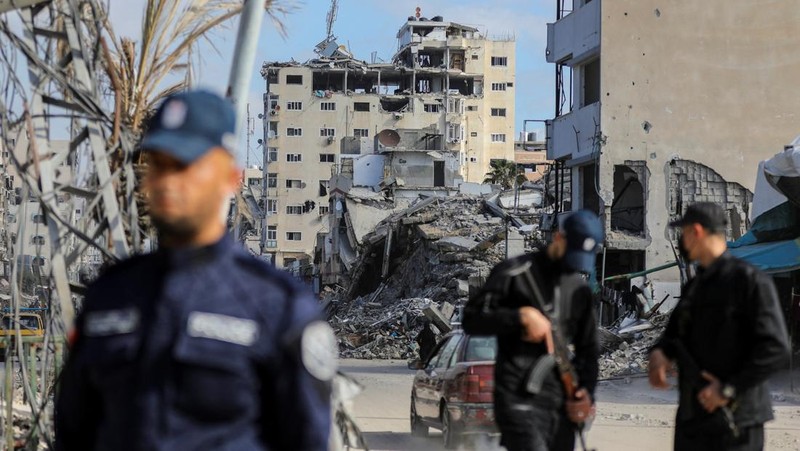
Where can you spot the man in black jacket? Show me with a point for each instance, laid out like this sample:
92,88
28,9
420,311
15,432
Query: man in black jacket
541,419
727,335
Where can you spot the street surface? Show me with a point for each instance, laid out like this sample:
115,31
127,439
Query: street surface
630,415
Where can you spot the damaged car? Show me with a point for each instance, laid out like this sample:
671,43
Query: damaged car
453,389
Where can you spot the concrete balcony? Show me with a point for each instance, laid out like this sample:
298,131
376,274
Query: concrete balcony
576,36
570,136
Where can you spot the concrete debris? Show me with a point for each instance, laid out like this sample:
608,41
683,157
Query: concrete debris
456,244
438,251
439,318
627,347
369,332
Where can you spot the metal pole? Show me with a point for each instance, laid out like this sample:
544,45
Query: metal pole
9,395
602,284
34,382
265,172
244,56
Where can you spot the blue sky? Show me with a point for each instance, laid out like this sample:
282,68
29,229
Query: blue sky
367,26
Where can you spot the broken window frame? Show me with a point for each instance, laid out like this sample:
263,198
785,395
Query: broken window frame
324,210
294,79
272,154
432,107
455,133
455,105
358,107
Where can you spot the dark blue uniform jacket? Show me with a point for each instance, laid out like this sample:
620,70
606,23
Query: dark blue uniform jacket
195,350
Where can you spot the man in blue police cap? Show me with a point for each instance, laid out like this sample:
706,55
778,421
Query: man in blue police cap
519,303
198,345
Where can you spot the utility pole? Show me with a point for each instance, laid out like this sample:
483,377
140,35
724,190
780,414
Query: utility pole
249,133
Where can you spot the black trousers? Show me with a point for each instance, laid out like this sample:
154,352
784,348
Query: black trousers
750,438
528,427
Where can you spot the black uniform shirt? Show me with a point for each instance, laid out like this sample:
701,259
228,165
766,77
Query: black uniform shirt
495,311
729,321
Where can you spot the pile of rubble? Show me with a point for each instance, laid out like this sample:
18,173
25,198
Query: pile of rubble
368,330
437,250
627,346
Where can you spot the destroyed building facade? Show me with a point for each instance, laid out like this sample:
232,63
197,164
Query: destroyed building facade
654,113
429,120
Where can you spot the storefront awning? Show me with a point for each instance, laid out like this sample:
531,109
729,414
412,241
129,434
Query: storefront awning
772,257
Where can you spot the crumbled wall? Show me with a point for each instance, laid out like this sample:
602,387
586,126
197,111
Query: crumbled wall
691,182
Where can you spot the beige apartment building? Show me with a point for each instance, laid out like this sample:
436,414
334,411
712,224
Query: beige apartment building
437,115
667,103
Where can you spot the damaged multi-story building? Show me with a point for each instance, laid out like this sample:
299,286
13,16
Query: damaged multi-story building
432,118
661,104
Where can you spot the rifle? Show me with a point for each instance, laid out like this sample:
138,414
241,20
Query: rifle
560,357
689,370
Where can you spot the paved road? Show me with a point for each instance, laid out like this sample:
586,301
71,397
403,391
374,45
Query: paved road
631,416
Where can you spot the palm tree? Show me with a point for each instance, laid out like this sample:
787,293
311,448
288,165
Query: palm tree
505,173
142,73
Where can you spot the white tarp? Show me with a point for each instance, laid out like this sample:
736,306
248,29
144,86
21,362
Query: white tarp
783,164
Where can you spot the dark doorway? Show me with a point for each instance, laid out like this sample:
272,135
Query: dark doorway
438,173
627,211
591,200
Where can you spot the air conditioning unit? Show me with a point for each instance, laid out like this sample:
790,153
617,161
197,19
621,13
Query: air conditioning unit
398,115
331,139
273,112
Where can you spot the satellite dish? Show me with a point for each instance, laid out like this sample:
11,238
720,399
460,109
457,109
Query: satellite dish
389,138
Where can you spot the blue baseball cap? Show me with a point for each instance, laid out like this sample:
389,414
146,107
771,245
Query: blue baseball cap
584,234
189,124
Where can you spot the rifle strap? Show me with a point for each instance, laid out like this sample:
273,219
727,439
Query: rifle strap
551,310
